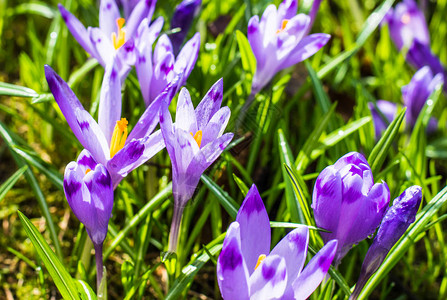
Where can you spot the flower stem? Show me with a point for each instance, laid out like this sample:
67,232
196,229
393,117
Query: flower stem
175,228
99,265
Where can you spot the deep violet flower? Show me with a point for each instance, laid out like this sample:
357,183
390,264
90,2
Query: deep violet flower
396,221
416,93
89,191
108,141
115,36
193,142
156,70
182,19
280,40
409,31
247,269
347,203
388,110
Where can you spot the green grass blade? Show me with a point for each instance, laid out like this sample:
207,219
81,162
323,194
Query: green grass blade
9,183
242,186
7,89
224,199
247,56
379,152
64,282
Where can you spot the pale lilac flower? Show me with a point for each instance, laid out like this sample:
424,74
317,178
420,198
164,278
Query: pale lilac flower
393,226
114,39
388,110
280,40
156,70
108,141
347,203
182,19
416,93
89,191
247,269
193,142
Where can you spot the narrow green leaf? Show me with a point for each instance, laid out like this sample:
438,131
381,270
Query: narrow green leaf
247,56
242,186
9,183
64,282
85,291
224,199
7,89
320,94
379,152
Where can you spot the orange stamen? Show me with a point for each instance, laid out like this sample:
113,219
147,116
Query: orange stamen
119,136
283,26
198,137
119,40
260,259
88,170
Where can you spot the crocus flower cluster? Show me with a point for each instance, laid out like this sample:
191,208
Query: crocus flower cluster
193,142
393,226
279,40
414,95
89,191
114,39
347,203
247,269
408,30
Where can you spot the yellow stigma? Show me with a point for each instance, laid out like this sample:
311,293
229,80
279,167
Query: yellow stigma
197,137
283,26
119,136
88,170
119,41
260,259
406,18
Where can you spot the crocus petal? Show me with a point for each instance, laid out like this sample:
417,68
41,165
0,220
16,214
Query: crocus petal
183,17
94,139
66,99
99,183
353,158
121,163
326,203
293,247
185,149
108,14
77,30
185,117
287,9
163,73
291,35
306,48
315,271
388,110
232,273
163,46
110,102
86,160
127,54
148,120
269,280
216,126
144,9
187,57
148,32
102,44
255,228
254,35
210,104
143,66
269,24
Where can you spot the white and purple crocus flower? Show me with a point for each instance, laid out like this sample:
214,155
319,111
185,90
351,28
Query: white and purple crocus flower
247,269
193,143
347,203
414,95
89,191
396,221
108,140
409,31
114,39
279,40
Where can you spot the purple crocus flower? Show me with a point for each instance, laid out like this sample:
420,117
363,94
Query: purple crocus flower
408,30
280,40
247,269
393,226
114,38
155,71
347,203
89,191
194,142
109,141
416,93
388,110
183,16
